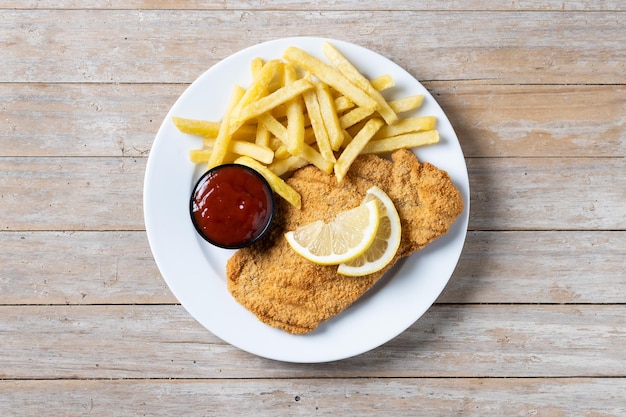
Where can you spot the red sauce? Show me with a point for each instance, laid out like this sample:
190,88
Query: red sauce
232,206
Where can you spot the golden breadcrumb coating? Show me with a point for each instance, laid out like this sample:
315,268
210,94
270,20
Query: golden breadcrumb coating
291,293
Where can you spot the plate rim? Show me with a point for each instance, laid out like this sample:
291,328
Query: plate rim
461,223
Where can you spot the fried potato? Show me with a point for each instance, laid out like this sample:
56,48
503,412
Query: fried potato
413,124
407,103
300,110
260,153
271,101
354,116
283,166
329,115
407,140
224,134
209,129
353,74
256,66
279,186
383,82
274,127
235,147
343,103
317,123
258,88
329,75
355,147
295,116
314,157
197,127
262,136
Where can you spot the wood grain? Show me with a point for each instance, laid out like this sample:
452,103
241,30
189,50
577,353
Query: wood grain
550,397
495,267
126,341
490,120
97,268
506,193
540,267
347,5
82,120
532,321
71,193
535,120
163,46
547,194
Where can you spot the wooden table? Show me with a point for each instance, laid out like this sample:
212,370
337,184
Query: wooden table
533,320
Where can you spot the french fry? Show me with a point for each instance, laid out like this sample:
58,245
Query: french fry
314,157
260,153
210,129
413,124
295,116
262,136
317,123
235,147
201,156
329,115
309,135
289,164
355,129
240,147
407,103
278,184
354,116
274,127
224,134
329,75
281,152
275,143
282,122
343,103
197,127
407,140
256,66
353,74
383,82
269,102
355,147
257,89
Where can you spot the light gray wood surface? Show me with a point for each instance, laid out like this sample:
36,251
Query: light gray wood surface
533,320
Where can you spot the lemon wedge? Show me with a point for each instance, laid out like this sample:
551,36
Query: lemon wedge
346,237
386,242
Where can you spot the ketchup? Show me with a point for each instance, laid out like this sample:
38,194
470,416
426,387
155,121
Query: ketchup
232,206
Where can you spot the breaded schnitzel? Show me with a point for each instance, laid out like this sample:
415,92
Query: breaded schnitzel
291,293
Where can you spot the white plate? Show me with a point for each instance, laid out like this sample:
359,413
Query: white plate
195,270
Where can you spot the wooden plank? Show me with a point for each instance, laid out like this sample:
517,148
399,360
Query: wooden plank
506,193
547,194
174,46
495,267
305,397
79,268
490,120
71,193
82,119
540,267
537,120
348,5
101,342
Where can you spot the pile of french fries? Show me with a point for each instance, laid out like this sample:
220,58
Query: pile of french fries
300,110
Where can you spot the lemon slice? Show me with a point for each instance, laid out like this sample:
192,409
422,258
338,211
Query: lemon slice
385,244
349,235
